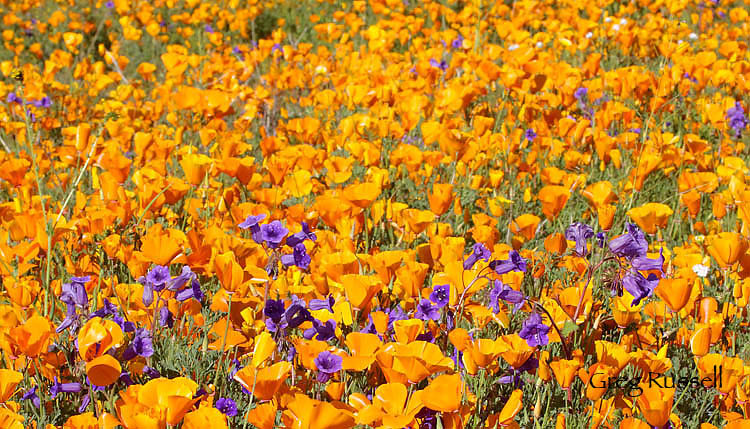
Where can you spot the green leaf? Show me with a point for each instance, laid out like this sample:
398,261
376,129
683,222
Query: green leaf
568,328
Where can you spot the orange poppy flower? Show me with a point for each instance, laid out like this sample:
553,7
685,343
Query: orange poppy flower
553,200
443,393
441,198
9,379
656,404
103,370
675,292
264,383
162,246
727,248
97,336
263,416
306,413
364,194
651,216
32,337
204,417
525,225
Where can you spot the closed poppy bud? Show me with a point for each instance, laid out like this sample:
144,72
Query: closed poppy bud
708,307
103,371
718,206
560,422
727,248
674,292
9,379
692,200
700,341
606,216
556,243
656,405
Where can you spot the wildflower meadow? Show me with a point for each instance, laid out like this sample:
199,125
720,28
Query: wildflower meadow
325,214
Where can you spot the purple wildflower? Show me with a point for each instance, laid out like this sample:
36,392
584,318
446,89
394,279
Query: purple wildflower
273,233
58,388
506,293
638,286
441,295
534,331
530,135
479,252
514,263
631,244
227,406
427,311
737,119
327,364
579,232
299,258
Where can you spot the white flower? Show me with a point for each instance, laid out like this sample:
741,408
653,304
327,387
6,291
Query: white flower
589,35
539,45
700,270
616,27
692,36
623,21
513,47
608,19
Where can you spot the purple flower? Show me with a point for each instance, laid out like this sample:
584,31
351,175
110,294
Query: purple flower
274,309
581,93
579,232
601,239
327,364
322,304
74,294
109,4
299,258
479,252
227,406
273,233
140,346
534,331
252,223
514,263
643,263
631,244
530,135
165,317
158,276
321,331
13,98
209,29
737,119
441,295
71,320
639,286
192,291
185,276
58,388
31,395
426,311
458,42
297,314
506,293
299,237
442,65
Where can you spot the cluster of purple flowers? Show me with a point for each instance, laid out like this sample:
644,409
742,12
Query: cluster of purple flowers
44,102
274,233
185,285
633,246
737,119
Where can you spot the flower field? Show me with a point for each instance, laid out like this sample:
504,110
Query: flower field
382,213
